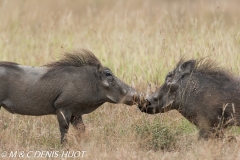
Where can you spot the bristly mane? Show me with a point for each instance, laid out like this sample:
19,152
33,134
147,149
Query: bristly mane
211,69
11,65
77,59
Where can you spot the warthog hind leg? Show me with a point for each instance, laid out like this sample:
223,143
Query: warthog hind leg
63,120
78,124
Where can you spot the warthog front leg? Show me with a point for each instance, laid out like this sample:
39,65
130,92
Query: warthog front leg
78,124
204,133
206,129
63,120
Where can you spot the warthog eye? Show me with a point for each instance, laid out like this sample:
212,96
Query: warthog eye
109,75
169,77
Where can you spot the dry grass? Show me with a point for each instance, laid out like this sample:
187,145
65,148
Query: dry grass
140,41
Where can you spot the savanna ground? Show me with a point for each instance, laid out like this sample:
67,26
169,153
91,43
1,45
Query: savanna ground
140,41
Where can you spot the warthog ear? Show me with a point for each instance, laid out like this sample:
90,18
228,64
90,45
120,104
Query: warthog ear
99,73
187,66
99,69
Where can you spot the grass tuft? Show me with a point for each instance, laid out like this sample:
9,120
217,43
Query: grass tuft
156,136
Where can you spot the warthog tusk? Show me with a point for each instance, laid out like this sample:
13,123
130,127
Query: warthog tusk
111,98
169,104
63,117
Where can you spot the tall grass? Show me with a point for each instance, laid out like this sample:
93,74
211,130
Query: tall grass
140,41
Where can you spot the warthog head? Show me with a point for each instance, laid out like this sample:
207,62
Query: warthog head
168,97
115,90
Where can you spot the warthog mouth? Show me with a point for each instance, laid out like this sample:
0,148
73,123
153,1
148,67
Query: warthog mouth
167,106
125,100
129,99
159,108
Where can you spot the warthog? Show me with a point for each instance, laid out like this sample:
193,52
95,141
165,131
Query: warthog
202,92
75,85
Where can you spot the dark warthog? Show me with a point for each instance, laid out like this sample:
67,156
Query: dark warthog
69,88
199,91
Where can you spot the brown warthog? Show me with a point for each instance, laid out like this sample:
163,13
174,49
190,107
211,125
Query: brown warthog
75,85
199,91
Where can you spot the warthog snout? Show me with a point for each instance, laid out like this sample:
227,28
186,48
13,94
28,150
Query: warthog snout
148,107
143,104
131,97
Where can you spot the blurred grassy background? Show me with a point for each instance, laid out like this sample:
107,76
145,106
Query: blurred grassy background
140,41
